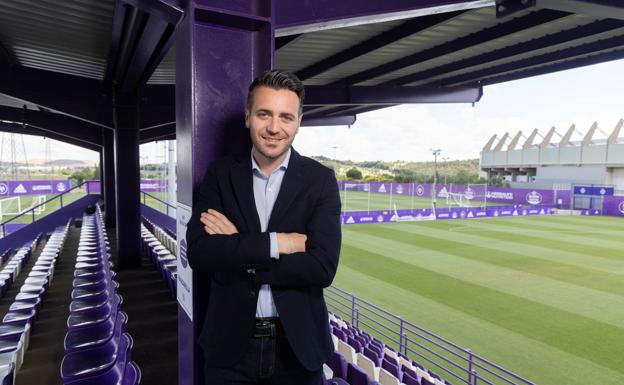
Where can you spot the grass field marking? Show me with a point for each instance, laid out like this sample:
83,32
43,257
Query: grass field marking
565,235
593,304
560,256
514,351
569,223
596,341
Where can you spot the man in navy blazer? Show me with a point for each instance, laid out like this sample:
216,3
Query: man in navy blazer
266,226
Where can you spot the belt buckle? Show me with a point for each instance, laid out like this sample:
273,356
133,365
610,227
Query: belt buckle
265,329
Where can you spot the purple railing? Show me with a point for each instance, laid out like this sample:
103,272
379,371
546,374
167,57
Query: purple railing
17,222
169,209
449,360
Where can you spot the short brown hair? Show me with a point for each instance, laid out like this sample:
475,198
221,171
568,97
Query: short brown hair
277,80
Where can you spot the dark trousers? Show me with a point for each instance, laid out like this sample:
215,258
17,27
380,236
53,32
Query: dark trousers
268,361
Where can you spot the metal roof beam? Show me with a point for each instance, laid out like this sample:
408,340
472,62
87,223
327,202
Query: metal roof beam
565,140
488,145
587,139
546,141
57,125
514,141
36,131
595,8
166,131
284,40
78,97
501,142
590,29
529,142
142,34
544,59
550,68
385,38
296,17
613,138
500,30
343,120
383,95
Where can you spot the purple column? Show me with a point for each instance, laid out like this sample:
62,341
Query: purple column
126,118
107,168
221,46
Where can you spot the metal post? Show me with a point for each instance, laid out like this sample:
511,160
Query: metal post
33,214
352,308
401,334
61,197
469,365
435,175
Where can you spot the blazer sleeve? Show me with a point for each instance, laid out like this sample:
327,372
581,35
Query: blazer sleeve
318,264
219,252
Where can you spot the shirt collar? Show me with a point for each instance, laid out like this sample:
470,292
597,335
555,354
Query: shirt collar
283,165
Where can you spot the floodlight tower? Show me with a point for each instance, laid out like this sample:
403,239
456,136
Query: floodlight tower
445,160
9,170
435,175
335,148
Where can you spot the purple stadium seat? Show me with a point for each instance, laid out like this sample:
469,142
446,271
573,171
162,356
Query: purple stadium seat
391,368
96,335
338,381
407,370
410,380
355,344
132,375
373,356
356,376
338,365
424,381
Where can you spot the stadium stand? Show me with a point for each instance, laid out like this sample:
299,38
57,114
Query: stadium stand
160,246
18,322
98,350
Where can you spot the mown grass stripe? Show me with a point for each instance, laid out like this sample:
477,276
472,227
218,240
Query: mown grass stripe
558,238
588,278
599,227
522,355
555,255
594,304
595,341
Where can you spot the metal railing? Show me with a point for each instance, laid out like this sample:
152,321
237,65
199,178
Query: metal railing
169,209
449,360
32,212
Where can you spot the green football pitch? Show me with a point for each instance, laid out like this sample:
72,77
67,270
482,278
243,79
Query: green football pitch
363,201
541,296
27,202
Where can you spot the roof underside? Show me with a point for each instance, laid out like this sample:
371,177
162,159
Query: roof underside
465,47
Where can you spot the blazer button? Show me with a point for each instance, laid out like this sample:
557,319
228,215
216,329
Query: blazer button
252,294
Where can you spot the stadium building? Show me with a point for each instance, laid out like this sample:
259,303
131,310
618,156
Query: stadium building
532,162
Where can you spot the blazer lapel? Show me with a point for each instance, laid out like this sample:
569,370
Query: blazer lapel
242,185
292,184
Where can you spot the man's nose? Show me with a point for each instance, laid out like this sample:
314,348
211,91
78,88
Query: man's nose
272,127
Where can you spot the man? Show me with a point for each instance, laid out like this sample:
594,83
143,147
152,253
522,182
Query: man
266,225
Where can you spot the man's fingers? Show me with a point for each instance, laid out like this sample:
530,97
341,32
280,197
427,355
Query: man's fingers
218,222
209,230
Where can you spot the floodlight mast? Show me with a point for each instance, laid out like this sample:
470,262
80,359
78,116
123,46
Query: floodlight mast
435,175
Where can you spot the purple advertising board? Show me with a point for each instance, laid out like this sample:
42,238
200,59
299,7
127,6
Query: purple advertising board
384,216
477,193
33,187
153,185
613,205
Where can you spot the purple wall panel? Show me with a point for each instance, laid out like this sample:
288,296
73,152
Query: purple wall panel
32,187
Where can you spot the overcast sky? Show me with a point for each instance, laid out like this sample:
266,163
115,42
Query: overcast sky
408,132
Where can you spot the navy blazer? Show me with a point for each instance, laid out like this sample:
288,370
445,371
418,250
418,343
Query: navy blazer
308,202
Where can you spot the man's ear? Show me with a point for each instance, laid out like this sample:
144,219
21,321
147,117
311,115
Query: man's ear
247,118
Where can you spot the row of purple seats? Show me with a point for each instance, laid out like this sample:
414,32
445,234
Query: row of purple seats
97,348
378,361
161,250
14,264
19,321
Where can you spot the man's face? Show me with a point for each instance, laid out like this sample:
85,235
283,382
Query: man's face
273,121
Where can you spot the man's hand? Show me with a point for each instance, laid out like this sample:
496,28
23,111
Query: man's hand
289,243
217,223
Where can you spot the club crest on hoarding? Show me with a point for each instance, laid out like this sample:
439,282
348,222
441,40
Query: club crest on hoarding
534,198
420,190
621,207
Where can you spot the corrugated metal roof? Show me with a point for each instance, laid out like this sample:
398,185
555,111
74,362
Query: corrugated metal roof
70,36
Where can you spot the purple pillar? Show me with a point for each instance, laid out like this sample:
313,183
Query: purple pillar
221,46
126,118
107,168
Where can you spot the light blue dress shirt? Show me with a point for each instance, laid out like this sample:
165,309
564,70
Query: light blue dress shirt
265,190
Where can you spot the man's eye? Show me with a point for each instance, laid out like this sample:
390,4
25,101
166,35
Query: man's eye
262,114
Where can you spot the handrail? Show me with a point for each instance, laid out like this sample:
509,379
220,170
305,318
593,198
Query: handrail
59,196
167,205
409,335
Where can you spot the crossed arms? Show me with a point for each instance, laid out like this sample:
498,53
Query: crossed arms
215,243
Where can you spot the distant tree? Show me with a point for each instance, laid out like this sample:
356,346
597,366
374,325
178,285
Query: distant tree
354,173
